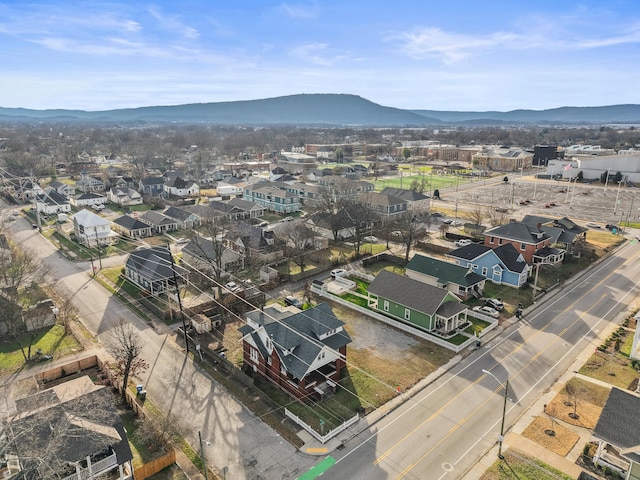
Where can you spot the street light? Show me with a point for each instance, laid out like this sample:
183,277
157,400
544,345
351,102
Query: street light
504,410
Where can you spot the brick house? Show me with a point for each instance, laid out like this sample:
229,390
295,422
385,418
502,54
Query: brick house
532,242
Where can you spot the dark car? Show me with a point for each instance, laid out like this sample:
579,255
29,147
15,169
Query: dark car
293,301
609,226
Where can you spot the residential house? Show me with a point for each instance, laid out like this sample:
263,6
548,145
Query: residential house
416,303
87,200
459,280
63,188
218,208
617,435
303,352
230,187
184,218
344,189
23,189
51,202
257,244
91,229
74,429
201,254
16,319
532,242
124,196
152,186
250,209
159,222
417,202
503,265
383,204
272,198
153,270
563,232
131,227
334,226
179,187
87,183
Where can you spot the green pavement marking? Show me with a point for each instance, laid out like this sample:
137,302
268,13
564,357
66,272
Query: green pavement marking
319,469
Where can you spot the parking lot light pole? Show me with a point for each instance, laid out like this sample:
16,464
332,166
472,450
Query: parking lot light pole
504,410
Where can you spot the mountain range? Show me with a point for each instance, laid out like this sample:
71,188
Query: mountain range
327,110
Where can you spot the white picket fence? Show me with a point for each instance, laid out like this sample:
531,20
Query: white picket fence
329,435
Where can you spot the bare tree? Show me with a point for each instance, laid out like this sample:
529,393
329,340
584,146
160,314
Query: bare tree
477,215
409,232
495,217
212,246
573,391
360,222
125,346
298,239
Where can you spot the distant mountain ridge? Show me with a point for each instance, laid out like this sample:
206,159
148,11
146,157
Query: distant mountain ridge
326,109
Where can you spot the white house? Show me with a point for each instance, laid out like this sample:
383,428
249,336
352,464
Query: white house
51,202
124,196
88,199
182,188
92,229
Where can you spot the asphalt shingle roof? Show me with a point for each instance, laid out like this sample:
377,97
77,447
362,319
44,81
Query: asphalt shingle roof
154,263
444,272
517,231
130,223
619,422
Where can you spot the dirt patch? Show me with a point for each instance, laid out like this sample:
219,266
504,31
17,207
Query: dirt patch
561,443
587,414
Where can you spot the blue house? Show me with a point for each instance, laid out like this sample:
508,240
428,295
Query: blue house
502,265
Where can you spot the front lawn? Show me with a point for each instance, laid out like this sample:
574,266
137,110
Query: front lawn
50,340
476,326
517,465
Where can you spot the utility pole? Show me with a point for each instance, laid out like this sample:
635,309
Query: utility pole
204,460
95,230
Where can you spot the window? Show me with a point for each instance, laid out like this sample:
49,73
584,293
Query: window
523,246
254,355
385,306
407,314
499,241
491,239
484,271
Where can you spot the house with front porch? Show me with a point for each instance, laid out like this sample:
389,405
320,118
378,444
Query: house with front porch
272,198
563,232
131,227
383,204
303,353
91,229
531,241
153,270
617,435
502,265
152,186
63,188
178,187
124,196
416,303
51,202
87,183
183,218
461,281
159,222
87,200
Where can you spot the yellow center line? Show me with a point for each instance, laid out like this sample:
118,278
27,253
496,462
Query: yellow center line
461,422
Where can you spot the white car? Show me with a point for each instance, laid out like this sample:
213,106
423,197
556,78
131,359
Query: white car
338,272
371,239
182,241
593,225
232,286
463,242
486,311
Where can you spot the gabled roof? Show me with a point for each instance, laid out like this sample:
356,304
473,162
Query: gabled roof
560,230
408,292
506,253
180,183
203,249
178,213
619,422
406,195
130,223
152,181
299,334
89,196
51,197
383,199
444,272
89,219
157,219
519,232
154,263
244,205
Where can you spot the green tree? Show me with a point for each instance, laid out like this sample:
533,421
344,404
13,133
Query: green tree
406,152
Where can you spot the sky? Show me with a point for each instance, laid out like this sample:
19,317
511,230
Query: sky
466,55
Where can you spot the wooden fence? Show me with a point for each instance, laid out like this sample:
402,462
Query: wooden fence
154,466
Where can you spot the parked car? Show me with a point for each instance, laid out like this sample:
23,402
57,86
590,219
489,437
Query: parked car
593,225
263,224
463,242
232,286
338,272
34,226
609,226
293,301
182,241
371,239
97,207
486,311
437,214
287,219
494,303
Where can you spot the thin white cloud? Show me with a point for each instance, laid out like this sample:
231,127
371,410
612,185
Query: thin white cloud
173,23
312,52
299,12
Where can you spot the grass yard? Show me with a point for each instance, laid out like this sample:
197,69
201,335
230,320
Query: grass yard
614,369
349,297
517,465
50,341
375,268
476,326
560,443
113,275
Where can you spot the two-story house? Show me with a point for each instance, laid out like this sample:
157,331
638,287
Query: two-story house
179,187
459,280
91,229
383,204
533,243
51,202
124,196
302,352
272,198
151,186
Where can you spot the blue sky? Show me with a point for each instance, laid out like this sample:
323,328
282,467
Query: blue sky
422,54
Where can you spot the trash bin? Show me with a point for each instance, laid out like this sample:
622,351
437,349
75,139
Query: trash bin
478,343
139,388
142,394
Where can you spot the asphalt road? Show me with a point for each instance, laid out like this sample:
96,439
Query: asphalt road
442,432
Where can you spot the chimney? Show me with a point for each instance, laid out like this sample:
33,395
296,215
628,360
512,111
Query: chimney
539,227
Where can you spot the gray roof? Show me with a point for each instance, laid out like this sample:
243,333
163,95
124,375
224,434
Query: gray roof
244,205
153,181
519,232
157,218
154,263
51,197
408,292
130,223
619,422
506,253
299,334
89,196
203,249
178,213
406,195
